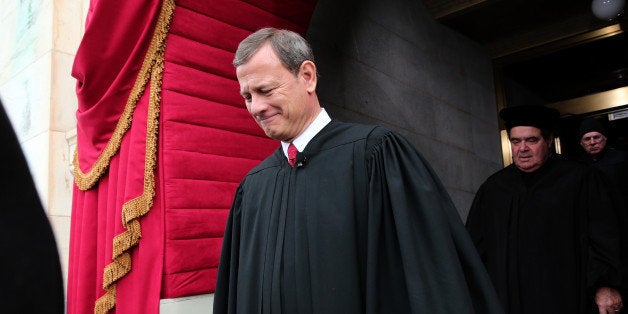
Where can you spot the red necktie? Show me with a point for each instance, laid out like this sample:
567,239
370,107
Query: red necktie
292,154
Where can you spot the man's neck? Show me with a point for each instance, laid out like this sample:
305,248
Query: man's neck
321,120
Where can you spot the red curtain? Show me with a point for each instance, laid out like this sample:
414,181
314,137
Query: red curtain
161,131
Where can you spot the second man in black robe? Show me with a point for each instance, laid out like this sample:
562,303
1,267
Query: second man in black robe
545,227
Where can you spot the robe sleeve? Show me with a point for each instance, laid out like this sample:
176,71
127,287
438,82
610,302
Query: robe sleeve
491,247
603,257
420,256
474,223
225,299
30,269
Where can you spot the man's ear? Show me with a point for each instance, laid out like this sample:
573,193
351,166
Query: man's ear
308,73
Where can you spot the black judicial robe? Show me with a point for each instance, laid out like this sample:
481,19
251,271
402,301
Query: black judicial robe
360,225
614,164
30,270
549,239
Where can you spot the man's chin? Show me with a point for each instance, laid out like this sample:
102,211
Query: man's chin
275,135
270,134
526,166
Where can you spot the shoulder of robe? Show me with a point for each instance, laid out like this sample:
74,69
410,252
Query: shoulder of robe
567,166
503,178
616,156
338,133
378,135
274,160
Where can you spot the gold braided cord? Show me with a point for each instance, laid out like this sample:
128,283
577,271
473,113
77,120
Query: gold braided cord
134,209
108,303
116,270
86,181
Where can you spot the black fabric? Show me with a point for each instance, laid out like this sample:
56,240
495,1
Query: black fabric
614,164
529,115
547,246
360,225
591,125
30,272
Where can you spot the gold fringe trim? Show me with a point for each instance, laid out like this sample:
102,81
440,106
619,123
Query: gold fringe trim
86,181
134,209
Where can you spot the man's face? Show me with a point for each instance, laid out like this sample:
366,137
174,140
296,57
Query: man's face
593,142
276,98
529,149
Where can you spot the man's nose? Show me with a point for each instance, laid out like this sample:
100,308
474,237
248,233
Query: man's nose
257,105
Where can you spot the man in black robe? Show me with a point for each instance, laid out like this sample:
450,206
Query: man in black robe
30,270
545,227
614,164
359,224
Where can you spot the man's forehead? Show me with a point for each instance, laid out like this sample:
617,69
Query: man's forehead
256,82
525,131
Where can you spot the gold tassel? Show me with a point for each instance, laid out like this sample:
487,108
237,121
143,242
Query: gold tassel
86,181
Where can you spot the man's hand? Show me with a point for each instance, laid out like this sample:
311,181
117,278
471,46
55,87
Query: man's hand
608,300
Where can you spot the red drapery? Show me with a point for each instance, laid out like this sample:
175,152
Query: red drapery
160,131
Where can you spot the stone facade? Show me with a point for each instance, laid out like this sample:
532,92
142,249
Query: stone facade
389,63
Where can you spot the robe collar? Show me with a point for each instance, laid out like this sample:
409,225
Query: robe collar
302,140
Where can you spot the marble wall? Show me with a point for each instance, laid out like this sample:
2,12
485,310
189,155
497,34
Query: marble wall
38,41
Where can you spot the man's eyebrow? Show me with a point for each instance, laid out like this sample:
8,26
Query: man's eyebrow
262,86
524,137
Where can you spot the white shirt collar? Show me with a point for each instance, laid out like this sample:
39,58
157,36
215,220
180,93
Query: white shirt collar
316,126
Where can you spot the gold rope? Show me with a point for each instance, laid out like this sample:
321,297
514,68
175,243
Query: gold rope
138,207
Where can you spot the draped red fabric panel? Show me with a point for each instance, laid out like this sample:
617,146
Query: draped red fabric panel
106,67
206,143
208,139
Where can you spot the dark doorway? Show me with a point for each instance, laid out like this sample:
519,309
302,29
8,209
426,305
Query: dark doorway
568,79
617,131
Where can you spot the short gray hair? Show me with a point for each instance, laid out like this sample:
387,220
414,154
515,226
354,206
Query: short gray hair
290,47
